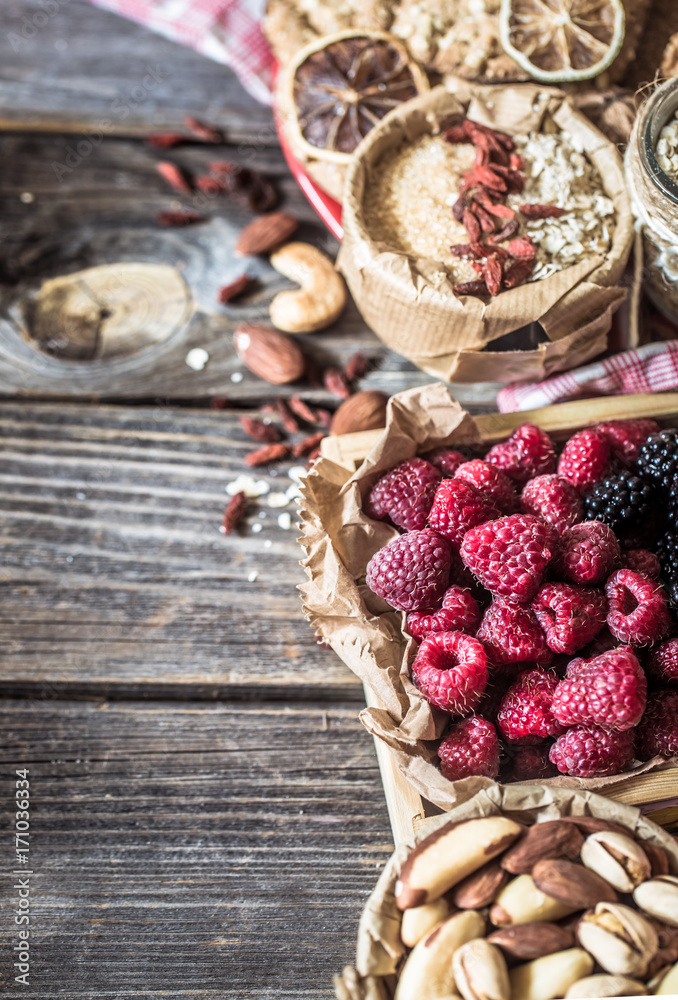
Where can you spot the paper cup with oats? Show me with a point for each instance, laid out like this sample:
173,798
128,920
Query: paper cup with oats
399,226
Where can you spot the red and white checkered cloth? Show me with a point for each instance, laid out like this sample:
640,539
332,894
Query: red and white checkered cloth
652,368
228,31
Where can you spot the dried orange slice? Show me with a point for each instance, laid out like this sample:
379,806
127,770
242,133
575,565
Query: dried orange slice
560,41
340,86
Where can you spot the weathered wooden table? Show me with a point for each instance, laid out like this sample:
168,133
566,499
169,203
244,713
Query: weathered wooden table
206,812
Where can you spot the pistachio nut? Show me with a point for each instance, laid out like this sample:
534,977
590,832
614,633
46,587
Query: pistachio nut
551,976
449,854
480,971
619,938
527,941
419,920
618,859
659,898
595,987
668,987
521,902
657,857
428,973
654,982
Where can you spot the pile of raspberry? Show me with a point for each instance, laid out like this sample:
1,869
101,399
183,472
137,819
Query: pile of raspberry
531,583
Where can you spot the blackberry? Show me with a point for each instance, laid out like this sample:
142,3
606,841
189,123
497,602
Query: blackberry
621,501
658,458
667,550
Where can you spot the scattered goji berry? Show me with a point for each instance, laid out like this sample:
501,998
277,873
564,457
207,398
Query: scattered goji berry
486,221
269,453
235,511
302,410
178,218
285,414
307,444
509,230
488,178
166,140
259,431
235,288
471,225
335,381
532,210
356,366
517,273
468,251
516,161
177,178
471,287
522,248
492,272
458,208
202,131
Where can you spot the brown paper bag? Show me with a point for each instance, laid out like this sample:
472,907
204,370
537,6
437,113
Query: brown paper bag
380,949
368,635
410,303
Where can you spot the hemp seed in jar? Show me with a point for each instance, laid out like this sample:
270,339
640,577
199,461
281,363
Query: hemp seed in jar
496,210
651,165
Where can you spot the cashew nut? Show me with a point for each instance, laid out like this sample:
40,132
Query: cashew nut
322,295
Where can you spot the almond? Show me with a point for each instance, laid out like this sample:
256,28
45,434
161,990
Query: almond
572,885
528,941
552,839
271,355
266,233
365,411
480,888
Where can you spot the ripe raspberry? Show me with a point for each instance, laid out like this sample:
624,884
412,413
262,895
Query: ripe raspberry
570,616
662,663
641,561
492,482
584,459
511,633
525,714
553,500
586,553
626,436
528,453
450,670
637,609
657,734
509,555
470,747
459,613
457,507
412,571
609,690
591,752
445,459
404,495
529,763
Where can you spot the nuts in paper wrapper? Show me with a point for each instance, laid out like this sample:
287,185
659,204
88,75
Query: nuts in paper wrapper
408,299
380,948
369,635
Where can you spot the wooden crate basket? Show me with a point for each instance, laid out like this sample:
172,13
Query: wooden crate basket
655,793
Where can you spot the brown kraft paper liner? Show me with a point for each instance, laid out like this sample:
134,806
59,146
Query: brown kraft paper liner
380,949
410,304
363,630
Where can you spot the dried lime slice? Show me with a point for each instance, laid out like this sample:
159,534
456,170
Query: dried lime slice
560,41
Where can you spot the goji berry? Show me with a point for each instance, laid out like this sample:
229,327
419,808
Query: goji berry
532,210
492,272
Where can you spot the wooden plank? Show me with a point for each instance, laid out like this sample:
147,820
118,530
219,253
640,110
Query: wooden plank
115,575
69,65
560,419
192,852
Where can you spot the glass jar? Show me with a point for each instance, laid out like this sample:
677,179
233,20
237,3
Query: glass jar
654,198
